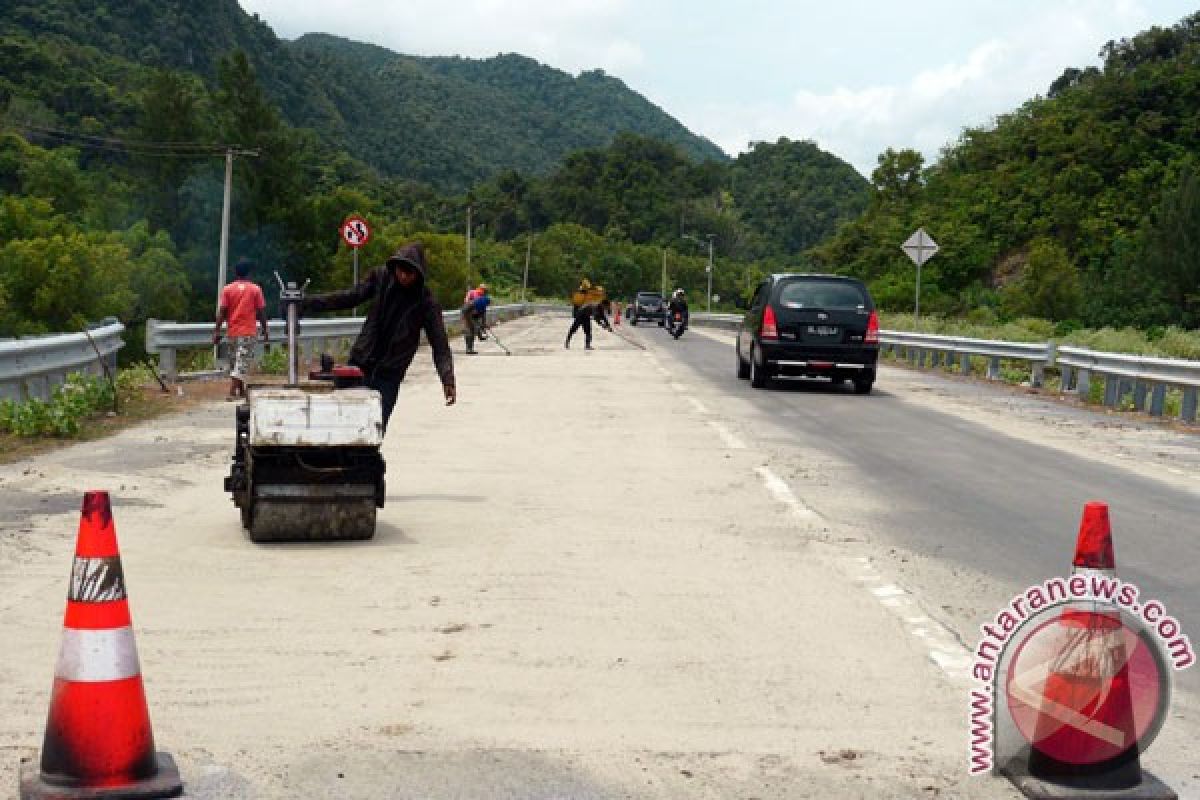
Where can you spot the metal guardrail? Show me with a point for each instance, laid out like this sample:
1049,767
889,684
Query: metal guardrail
921,347
1148,379
32,367
317,335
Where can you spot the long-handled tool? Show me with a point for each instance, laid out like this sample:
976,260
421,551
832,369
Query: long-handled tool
492,335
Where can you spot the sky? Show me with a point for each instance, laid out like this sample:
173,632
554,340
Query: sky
854,76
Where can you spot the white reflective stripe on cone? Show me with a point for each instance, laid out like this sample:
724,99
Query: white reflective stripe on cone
93,656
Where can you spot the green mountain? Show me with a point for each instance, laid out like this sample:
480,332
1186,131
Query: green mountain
447,122
1081,205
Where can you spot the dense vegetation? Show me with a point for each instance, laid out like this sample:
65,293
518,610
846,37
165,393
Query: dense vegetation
1082,206
447,122
112,176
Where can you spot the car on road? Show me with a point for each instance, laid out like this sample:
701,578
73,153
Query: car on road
648,305
805,325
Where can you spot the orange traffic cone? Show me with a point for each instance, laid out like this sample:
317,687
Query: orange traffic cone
1088,691
98,740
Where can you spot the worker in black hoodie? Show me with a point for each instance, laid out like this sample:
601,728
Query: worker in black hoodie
392,330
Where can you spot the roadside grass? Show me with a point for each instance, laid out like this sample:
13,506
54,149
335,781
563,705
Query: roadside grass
82,410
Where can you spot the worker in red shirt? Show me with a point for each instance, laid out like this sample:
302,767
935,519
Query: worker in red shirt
242,305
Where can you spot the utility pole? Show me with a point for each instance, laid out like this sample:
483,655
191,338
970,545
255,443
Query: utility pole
223,257
664,273
709,269
708,299
525,277
468,248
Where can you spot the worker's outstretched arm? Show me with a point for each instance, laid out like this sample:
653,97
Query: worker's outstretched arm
356,295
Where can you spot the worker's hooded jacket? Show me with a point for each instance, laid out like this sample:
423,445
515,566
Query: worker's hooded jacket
392,330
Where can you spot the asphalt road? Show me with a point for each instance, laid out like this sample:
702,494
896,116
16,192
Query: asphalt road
946,487
966,493
610,574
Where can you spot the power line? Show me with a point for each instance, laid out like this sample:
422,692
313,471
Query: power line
142,148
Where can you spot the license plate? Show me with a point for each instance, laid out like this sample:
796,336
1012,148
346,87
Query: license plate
824,330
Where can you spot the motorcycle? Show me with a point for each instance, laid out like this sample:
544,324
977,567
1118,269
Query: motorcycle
675,324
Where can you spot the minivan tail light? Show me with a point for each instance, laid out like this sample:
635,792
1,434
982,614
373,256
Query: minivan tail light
872,336
769,329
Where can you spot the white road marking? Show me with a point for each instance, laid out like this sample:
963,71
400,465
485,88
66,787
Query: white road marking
783,493
696,404
944,648
679,387
731,441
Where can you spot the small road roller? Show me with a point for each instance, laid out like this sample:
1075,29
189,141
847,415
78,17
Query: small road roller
306,462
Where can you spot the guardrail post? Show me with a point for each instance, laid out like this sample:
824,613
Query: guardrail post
1112,391
1158,399
1037,378
166,364
1139,395
964,363
1066,375
921,356
1083,385
993,370
911,352
1187,411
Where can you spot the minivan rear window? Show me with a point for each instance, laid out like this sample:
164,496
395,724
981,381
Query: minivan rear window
822,294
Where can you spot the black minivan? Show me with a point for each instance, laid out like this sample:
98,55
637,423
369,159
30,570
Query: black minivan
809,325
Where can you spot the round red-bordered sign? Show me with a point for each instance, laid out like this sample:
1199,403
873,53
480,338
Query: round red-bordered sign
355,231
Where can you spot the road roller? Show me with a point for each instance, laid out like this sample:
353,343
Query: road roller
306,462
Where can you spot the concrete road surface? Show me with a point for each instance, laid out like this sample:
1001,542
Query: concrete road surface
597,576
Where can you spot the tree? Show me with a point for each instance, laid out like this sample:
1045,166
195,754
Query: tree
1049,285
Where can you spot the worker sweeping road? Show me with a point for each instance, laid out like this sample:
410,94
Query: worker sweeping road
392,330
474,316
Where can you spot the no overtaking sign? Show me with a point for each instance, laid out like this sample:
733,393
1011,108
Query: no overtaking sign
356,232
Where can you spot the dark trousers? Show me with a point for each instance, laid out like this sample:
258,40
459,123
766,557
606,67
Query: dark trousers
388,388
582,319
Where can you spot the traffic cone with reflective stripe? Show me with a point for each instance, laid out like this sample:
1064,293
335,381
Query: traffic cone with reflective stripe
1086,733
98,739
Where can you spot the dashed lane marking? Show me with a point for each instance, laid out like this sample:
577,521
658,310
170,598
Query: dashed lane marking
731,441
783,493
944,648
696,404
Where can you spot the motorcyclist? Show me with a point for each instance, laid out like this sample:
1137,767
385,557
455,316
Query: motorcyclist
677,304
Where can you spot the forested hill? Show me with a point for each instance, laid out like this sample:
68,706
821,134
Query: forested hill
1082,205
448,122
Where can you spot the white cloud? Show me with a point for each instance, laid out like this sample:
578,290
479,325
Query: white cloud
734,73
572,35
929,109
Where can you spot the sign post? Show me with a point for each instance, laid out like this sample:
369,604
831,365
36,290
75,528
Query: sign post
920,247
355,233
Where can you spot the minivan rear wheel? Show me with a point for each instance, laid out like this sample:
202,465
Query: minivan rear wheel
743,367
863,385
758,372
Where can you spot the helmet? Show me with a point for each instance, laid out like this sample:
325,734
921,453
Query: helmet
483,287
679,292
